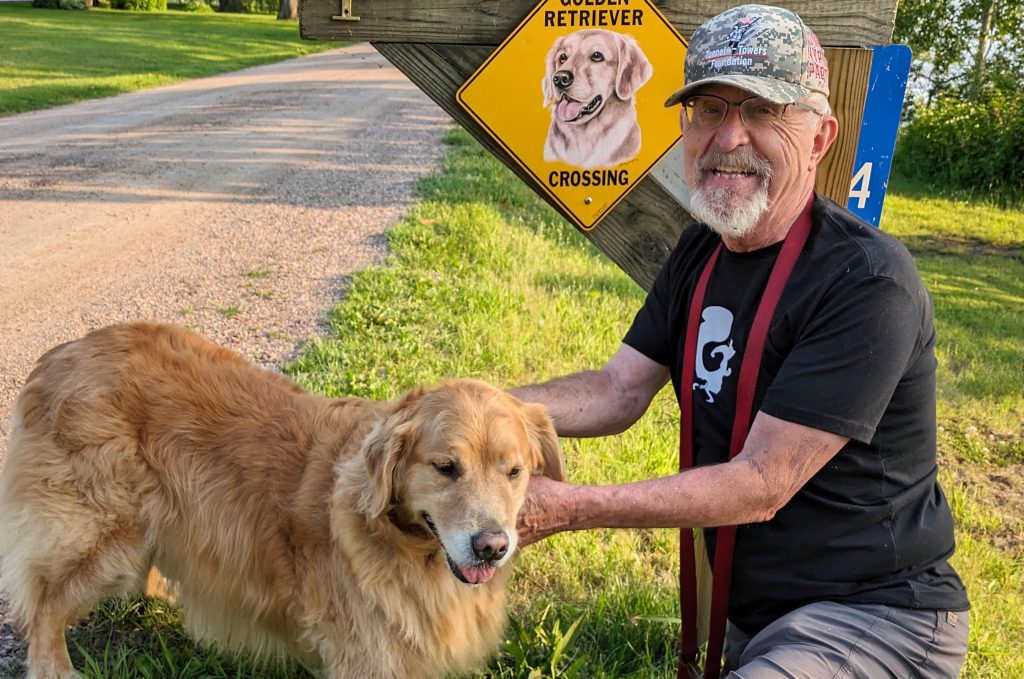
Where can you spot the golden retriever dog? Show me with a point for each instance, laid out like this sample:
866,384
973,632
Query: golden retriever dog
366,539
590,81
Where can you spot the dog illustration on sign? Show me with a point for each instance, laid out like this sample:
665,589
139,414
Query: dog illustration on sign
590,83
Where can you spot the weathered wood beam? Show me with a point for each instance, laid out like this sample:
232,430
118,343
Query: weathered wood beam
838,23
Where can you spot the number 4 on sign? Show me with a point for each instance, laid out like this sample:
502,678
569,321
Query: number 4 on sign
860,186
887,84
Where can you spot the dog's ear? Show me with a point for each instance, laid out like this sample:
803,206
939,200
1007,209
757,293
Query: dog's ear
384,451
634,67
547,86
547,452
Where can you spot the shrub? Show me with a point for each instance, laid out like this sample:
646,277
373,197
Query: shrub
140,5
197,6
971,147
60,4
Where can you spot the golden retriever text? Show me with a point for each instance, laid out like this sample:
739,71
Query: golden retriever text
593,18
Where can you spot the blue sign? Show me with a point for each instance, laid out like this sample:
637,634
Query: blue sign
883,106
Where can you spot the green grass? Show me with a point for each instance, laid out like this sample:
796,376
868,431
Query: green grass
143,639
52,57
484,280
972,259
1006,200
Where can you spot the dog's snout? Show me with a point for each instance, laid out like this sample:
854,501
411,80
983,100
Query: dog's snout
562,79
490,545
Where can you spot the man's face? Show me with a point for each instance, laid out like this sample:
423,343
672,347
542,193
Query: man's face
743,176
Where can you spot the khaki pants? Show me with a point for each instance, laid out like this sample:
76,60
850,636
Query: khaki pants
829,640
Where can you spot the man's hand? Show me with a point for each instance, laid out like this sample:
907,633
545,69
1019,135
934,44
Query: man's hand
550,507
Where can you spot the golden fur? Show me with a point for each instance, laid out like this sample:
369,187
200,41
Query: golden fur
284,521
580,68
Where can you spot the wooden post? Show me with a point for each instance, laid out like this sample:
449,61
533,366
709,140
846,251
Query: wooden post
439,44
837,23
848,84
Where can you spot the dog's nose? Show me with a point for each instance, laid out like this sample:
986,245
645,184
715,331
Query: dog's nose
562,79
490,545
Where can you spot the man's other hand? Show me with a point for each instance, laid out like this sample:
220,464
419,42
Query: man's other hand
550,508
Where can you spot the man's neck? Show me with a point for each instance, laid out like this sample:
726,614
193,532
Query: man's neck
770,230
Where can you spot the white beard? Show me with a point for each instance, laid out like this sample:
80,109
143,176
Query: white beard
714,207
717,207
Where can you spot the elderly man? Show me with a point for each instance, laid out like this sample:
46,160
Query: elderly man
800,343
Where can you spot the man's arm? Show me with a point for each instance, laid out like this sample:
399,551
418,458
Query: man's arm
778,459
600,402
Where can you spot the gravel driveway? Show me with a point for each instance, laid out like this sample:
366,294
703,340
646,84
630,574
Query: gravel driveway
236,205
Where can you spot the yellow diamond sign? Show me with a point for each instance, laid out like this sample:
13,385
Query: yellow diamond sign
576,95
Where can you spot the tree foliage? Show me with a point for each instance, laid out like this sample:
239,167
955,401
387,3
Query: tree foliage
140,5
967,147
972,47
965,129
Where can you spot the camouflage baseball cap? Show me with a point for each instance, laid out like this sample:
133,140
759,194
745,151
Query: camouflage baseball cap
767,51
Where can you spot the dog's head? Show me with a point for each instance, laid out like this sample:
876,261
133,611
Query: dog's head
586,69
455,461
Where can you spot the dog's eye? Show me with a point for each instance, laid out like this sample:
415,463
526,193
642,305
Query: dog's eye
562,58
448,469
514,472
597,56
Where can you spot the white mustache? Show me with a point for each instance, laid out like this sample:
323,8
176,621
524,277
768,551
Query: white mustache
740,160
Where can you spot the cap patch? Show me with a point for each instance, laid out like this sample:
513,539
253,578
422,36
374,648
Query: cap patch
738,52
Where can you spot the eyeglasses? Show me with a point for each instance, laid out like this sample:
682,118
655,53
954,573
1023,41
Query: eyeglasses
707,111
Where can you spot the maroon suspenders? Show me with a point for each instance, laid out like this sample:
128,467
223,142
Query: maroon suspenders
687,559
745,388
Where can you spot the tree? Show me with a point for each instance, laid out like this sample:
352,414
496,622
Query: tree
970,46
289,9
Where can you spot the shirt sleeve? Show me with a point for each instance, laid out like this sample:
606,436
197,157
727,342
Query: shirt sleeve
849,358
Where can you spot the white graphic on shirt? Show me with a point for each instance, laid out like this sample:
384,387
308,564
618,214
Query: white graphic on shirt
716,326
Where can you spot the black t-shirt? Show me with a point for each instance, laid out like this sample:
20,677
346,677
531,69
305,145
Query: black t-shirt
850,350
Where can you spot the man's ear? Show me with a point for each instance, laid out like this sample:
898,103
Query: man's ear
384,451
824,136
547,453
